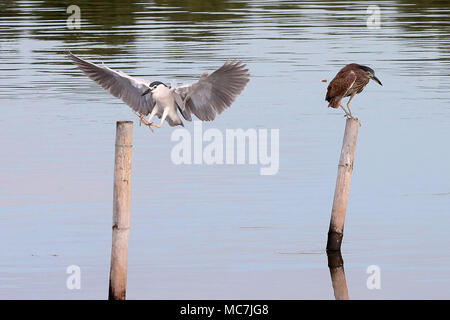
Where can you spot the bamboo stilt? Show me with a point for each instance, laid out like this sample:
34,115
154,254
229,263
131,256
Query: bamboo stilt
344,175
121,211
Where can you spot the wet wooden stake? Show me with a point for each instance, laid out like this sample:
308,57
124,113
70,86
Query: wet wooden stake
345,168
121,211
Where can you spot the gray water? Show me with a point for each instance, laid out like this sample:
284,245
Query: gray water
225,231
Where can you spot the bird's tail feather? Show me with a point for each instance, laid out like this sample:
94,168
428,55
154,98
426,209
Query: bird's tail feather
175,122
334,103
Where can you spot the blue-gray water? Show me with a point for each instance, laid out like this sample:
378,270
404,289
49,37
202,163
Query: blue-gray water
223,231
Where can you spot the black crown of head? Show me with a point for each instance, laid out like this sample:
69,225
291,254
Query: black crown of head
365,68
155,83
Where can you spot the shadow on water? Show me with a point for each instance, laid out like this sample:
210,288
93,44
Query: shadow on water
115,23
202,18
336,265
102,22
119,24
431,22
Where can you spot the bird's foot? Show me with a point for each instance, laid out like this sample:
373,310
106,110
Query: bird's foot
143,120
150,125
348,116
147,123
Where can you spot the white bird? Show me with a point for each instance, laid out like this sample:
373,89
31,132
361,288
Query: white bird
205,98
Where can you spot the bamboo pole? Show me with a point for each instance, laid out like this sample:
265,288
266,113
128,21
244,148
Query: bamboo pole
121,211
344,175
336,265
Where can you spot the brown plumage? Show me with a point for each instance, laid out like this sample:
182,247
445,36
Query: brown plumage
348,82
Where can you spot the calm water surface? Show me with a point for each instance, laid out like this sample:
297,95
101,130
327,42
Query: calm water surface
226,231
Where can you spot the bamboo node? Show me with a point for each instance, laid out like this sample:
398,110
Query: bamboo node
116,227
124,145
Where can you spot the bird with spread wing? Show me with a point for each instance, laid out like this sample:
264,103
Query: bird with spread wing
205,98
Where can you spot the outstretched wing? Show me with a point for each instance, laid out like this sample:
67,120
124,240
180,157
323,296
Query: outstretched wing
119,84
213,93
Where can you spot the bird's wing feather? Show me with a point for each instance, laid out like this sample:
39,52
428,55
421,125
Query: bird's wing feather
340,85
180,104
119,84
213,93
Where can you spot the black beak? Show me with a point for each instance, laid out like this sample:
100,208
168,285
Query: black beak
146,91
377,80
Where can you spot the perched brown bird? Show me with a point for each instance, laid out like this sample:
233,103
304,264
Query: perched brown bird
349,81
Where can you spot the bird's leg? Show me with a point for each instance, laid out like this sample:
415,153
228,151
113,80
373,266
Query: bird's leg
164,116
147,122
152,114
142,120
141,117
347,115
348,105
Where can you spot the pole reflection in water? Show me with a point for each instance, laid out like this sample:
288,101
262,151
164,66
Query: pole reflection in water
336,265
